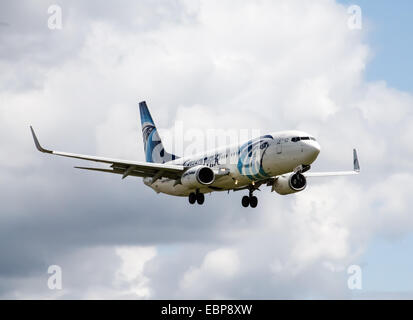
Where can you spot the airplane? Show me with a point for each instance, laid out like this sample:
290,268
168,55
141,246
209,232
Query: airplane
280,160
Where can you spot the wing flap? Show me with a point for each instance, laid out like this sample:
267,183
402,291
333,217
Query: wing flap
116,171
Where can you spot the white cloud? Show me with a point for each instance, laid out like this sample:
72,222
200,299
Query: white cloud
218,266
131,272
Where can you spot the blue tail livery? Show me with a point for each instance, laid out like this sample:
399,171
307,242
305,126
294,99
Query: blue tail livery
154,150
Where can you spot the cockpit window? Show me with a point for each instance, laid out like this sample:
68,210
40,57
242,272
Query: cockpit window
295,139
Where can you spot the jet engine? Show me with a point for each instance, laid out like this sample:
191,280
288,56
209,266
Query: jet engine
198,176
290,183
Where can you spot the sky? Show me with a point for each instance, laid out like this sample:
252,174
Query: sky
203,65
388,27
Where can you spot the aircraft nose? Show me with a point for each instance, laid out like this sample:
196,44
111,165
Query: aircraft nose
313,149
316,147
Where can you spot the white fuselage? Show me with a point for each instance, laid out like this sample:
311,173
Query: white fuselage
267,156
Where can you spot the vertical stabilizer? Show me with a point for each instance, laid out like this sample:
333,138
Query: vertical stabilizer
154,150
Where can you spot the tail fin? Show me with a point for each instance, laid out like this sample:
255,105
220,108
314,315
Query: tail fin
154,150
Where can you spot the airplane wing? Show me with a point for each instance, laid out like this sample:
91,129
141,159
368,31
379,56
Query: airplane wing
356,170
123,167
270,181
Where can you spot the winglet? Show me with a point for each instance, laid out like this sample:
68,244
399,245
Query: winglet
36,142
356,165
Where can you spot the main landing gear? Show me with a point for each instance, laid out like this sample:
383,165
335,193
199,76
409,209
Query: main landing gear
249,200
198,197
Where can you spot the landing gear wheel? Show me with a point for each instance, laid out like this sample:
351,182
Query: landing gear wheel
200,198
245,201
192,198
253,201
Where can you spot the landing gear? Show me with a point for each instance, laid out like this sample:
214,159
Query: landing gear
245,201
192,198
196,197
249,200
253,201
200,198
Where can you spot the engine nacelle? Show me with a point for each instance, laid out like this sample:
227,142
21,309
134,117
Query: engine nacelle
290,183
198,176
